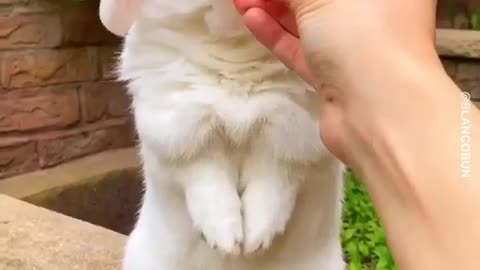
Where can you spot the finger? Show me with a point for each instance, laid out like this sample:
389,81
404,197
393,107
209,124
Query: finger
244,5
119,15
285,46
277,10
282,13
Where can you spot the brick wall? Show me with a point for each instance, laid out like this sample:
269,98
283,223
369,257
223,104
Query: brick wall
58,100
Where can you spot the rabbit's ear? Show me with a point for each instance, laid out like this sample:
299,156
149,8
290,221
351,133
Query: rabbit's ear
119,15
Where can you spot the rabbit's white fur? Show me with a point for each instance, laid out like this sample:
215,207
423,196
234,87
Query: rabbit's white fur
236,175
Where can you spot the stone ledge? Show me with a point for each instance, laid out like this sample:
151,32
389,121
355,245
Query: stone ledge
76,172
33,238
458,43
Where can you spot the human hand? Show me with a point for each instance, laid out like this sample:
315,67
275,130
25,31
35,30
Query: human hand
274,25
343,48
390,112
332,31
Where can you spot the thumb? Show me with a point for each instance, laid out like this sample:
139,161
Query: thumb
283,44
119,15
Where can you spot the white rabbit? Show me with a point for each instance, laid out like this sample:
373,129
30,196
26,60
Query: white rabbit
236,177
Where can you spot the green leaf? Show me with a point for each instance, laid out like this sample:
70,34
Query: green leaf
363,238
349,233
355,266
363,249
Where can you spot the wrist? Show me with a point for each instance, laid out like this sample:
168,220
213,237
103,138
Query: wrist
415,166
413,109
389,61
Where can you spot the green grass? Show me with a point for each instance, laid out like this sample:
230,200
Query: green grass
363,237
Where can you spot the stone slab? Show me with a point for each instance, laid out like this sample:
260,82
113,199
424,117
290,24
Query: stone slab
77,172
458,43
33,238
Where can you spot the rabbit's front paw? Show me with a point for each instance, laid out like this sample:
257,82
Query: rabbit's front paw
214,205
268,202
224,233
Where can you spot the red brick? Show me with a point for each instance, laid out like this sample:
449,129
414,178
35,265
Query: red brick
104,100
18,158
9,2
109,60
82,25
31,6
43,67
57,150
45,108
14,2
24,31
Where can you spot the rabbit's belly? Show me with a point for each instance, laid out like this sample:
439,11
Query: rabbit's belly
182,124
